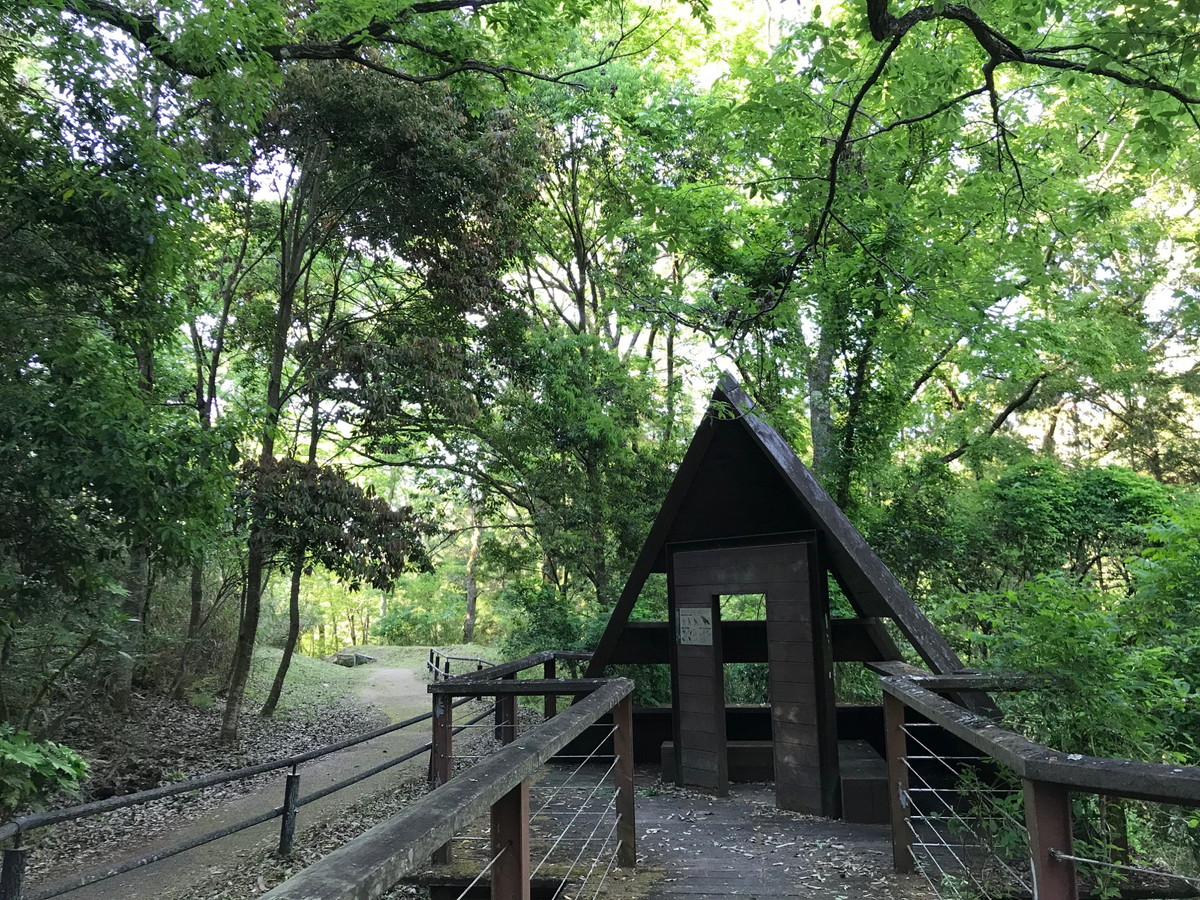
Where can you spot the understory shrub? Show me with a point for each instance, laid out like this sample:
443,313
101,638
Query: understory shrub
31,770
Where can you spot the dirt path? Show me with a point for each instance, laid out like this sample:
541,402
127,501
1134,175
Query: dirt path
396,692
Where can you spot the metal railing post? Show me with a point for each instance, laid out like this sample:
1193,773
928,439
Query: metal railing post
1048,819
430,666
12,873
441,757
898,802
623,776
287,822
510,840
550,707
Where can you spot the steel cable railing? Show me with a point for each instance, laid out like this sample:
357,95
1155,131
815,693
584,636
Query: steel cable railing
1006,822
947,828
505,783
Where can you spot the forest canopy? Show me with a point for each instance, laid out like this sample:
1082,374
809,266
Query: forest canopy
348,320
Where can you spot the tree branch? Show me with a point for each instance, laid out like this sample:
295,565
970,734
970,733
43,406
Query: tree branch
835,158
352,47
1002,417
913,120
999,48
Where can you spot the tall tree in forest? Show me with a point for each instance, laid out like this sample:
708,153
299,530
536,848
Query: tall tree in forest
926,230
422,195
471,580
571,421
309,515
95,224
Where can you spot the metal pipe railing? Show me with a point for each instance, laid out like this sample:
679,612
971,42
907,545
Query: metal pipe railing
23,824
461,688
14,860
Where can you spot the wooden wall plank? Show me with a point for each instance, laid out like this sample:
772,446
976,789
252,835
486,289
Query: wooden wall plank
699,692
860,640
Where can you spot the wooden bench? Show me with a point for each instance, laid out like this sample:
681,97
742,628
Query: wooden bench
749,761
863,774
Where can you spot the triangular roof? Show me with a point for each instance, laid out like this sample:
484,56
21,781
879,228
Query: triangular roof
740,478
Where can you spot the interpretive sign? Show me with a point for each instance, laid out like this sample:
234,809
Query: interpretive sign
695,626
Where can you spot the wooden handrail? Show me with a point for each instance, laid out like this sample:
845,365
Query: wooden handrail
525,687
1156,782
370,865
517,665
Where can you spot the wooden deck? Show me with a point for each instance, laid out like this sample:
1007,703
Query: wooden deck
742,846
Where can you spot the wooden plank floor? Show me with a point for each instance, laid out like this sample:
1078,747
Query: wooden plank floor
742,846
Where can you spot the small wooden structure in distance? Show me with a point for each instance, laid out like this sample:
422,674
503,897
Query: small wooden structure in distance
745,516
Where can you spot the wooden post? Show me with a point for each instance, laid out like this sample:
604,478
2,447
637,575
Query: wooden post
441,757
498,731
287,822
898,803
506,718
1048,818
551,703
623,776
510,834
12,875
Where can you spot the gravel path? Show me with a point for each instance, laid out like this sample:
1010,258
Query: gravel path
395,692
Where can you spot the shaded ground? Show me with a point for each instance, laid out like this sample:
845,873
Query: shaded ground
742,846
397,693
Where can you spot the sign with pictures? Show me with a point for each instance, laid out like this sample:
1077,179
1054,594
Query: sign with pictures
695,625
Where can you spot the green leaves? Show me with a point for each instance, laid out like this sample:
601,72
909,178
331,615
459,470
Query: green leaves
31,770
315,514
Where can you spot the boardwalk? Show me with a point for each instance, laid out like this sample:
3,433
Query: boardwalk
742,846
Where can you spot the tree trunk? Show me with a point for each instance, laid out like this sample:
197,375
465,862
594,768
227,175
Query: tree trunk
671,388
599,519
131,628
205,390
183,673
820,380
295,235
289,645
137,578
243,653
293,635
472,585
353,633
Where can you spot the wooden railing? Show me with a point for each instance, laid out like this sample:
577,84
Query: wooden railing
369,866
1048,777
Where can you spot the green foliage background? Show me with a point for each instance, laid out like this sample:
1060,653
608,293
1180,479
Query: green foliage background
298,300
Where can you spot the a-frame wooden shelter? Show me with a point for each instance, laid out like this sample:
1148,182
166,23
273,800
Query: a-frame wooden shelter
745,516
